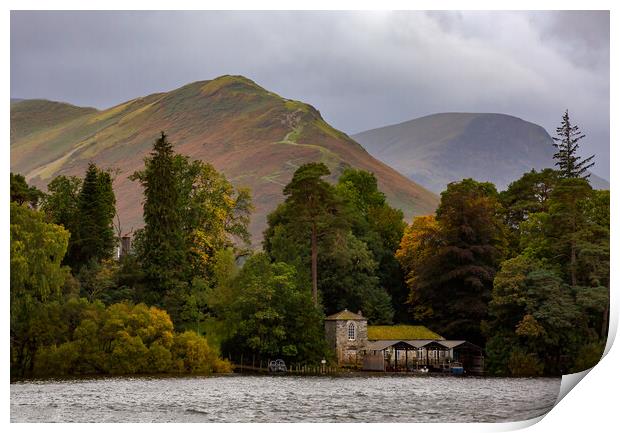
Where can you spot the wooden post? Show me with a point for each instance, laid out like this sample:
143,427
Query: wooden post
406,360
241,362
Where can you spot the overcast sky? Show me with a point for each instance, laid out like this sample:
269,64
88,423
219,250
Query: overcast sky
360,69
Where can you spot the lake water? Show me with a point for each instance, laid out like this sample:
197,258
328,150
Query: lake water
237,398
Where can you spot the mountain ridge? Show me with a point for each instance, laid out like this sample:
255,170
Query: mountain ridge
254,136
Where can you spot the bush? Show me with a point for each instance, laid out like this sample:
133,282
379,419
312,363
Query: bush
588,356
498,350
56,360
129,355
194,352
159,359
119,339
523,364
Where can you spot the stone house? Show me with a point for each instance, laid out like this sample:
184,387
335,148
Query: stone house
347,335
395,347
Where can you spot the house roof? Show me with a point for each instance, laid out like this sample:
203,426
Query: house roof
345,315
402,333
384,344
461,344
452,343
420,344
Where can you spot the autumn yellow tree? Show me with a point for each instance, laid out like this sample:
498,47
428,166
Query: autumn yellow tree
451,259
415,255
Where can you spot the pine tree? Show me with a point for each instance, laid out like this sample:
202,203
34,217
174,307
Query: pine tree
310,198
567,144
160,246
96,210
22,193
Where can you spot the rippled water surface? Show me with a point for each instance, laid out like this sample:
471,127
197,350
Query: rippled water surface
284,399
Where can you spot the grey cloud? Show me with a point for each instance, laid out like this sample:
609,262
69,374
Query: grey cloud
360,69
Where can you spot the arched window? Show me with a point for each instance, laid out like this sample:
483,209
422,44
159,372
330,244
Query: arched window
351,331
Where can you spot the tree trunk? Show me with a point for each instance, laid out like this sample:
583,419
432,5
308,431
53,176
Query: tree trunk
314,254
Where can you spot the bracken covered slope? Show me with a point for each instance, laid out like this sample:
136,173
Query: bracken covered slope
255,137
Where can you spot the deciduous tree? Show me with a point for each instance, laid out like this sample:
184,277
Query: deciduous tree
37,276
451,285
267,315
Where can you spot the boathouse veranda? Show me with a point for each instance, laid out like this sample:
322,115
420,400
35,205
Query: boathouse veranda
412,355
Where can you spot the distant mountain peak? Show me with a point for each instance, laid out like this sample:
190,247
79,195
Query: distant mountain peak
440,148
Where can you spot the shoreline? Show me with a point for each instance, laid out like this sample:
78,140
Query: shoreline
341,374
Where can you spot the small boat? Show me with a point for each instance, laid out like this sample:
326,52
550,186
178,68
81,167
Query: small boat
456,369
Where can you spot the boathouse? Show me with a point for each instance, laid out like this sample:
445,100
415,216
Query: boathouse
396,348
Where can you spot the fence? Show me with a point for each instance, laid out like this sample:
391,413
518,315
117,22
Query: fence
301,369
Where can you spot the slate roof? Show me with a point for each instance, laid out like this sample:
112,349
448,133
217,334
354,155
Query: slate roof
419,344
384,344
452,343
345,315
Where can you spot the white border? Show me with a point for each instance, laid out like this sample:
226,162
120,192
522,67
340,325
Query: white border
591,406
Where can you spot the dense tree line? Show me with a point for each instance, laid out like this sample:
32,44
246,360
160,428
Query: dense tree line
266,312
348,232
550,299
86,208
191,212
451,258
63,257
78,337
54,332
524,272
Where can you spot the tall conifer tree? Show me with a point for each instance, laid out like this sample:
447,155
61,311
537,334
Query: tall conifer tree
161,244
96,210
310,197
567,143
